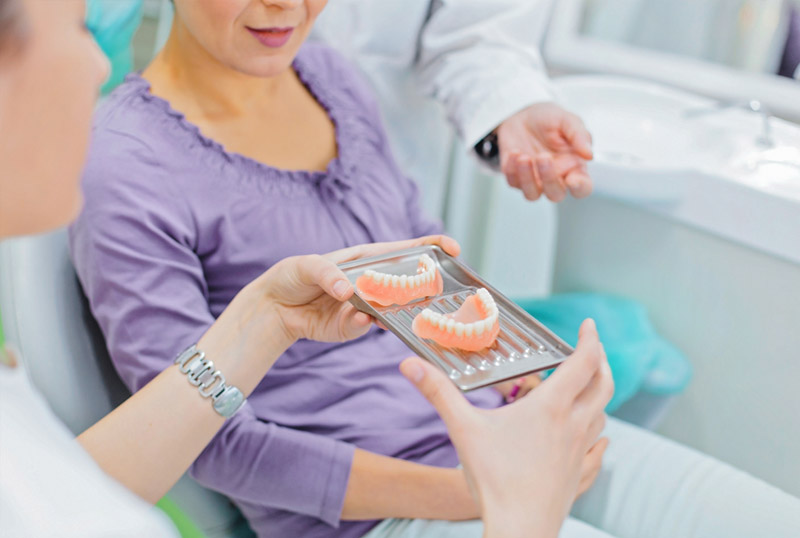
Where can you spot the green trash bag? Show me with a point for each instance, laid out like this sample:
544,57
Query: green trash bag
640,359
113,23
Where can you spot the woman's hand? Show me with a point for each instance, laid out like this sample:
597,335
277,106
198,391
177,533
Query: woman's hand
309,293
525,461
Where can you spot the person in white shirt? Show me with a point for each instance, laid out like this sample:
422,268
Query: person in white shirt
477,63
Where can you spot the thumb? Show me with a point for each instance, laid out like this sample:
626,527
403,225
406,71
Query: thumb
438,390
322,272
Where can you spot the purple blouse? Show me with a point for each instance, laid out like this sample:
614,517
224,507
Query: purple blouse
174,226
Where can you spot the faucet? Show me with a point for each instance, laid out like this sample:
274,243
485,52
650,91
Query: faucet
764,140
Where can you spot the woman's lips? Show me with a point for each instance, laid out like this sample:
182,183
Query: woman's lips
272,37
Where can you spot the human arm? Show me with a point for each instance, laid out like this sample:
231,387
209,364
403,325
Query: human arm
136,255
381,487
544,437
481,61
298,297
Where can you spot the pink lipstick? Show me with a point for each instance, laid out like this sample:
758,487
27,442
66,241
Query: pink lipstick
272,37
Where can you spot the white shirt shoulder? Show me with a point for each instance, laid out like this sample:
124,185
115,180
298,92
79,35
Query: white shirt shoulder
49,485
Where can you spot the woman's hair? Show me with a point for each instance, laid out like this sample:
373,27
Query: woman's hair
11,24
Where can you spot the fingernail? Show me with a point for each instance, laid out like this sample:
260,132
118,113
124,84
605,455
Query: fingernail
340,288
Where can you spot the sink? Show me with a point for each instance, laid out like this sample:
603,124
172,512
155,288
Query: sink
645,129
710,170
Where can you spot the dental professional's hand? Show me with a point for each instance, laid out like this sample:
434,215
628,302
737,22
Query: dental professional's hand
517,388
525,461
543,150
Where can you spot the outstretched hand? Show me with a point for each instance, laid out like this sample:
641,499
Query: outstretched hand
526,461
543,150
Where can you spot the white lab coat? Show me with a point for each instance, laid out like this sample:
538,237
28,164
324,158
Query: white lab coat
472,62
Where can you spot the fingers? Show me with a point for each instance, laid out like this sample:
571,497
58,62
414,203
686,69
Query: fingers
552,185
323,272
509,168
438,390
448,244
579,182
599,391
353,323
592,465
595,428
527,178
577,135
574,374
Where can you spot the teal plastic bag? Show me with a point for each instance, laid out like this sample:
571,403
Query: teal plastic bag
113,23
640,359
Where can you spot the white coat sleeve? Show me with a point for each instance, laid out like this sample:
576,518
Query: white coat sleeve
480,59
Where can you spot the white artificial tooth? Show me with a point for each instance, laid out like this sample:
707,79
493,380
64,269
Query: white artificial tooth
387,279
459,329
415,281
479,327
426,314
468,328
395,281
403,281
451,324
441,322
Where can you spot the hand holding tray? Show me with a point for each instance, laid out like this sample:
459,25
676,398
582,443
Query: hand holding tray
523,345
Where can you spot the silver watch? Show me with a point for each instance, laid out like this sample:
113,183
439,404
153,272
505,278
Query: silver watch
226,399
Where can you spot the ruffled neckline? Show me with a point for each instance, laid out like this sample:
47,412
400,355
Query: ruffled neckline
335,180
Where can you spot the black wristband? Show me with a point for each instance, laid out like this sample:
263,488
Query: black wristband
488,150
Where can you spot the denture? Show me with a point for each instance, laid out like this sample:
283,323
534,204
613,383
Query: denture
387,289
473,327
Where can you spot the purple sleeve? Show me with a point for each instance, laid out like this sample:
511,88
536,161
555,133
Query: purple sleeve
133,250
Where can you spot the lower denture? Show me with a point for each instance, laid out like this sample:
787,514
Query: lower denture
473,327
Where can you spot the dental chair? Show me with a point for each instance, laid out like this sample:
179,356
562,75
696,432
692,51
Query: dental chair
47,318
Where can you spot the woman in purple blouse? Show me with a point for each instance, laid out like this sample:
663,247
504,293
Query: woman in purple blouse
235,149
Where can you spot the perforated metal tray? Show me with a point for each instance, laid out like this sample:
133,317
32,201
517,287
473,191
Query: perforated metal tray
523,345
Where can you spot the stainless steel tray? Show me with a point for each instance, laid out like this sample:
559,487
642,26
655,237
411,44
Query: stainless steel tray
523,346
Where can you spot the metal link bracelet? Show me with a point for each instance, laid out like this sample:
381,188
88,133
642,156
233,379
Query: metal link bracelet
200,372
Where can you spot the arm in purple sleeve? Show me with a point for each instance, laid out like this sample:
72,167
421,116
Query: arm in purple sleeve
132,248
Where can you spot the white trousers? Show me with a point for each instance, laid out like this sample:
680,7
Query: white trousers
652,487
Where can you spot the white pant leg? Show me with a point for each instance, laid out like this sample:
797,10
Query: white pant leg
425,528
652,487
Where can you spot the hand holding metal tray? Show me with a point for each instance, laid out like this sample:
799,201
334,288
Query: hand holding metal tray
523,345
